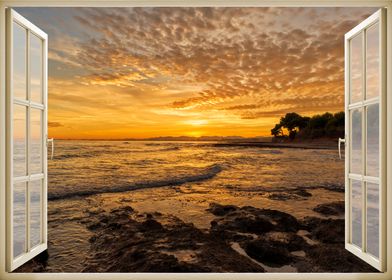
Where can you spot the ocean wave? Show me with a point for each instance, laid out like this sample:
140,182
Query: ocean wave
167,149
75,155
202,174
153,144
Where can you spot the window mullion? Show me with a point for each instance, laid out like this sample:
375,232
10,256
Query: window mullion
28,147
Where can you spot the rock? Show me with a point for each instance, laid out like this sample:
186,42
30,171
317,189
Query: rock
335,258
150,225
143,244
221,210
93,226
289,240
149,216
283,221
325,230
127,241
333,208
267,253
37,264
246,224
42,257
125,210
303,193
335,188
157,263
281,196
249,219
287,195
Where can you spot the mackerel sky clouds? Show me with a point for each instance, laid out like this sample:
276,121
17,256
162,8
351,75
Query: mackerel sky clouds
145,72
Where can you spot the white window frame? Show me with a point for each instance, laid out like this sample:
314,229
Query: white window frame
192,3
379,263
31,252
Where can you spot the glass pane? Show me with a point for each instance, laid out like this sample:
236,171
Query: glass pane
19,140
35,212
19,218
356,69
372,62
372,142
356,141
36,141
356,213
373,219
19,62
36,68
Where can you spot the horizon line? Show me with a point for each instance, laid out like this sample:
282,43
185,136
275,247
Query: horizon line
162,138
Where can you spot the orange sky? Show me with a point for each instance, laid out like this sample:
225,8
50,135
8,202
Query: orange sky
148,72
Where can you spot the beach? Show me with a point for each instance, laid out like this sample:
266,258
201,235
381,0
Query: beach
134,206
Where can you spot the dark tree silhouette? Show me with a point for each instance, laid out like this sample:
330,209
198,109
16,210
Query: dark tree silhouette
325,125
277,130
293,122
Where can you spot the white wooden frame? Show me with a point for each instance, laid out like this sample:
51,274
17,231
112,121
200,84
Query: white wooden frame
378,17
196,3
13,263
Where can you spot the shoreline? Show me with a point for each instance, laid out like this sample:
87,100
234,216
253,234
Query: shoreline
258,210
239,239
123,235
292,145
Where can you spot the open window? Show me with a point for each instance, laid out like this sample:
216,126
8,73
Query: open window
365,140
365,108
26,140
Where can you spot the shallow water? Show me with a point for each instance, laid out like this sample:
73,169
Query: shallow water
90,167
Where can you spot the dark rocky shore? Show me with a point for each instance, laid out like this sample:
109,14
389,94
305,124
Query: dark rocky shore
240,239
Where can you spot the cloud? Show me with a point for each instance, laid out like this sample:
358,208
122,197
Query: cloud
220,47
230,64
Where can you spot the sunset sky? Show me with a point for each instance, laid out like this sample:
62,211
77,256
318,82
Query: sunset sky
147,72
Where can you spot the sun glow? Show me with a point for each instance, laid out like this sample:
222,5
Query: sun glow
133,80
195,133
196,122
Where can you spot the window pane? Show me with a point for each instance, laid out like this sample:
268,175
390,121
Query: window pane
19,62
19,218
35,212
372,62
372,142
19,140
356,69
36,141
373,227
36,68
356,213
356,141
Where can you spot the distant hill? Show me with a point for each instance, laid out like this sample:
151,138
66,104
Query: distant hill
190,139
203,138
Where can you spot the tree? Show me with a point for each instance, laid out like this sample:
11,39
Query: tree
327,124
293,122
277,130
290,121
